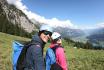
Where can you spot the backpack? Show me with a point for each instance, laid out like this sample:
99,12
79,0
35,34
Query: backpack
19,53
51,59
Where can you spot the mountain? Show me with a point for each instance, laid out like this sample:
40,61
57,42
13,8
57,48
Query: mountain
96,37
15,16
10,14
97,34
69,32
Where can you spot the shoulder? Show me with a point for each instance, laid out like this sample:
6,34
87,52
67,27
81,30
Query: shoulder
49,51
59,50
35,48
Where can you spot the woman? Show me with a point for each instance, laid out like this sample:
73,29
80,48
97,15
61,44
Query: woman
56,46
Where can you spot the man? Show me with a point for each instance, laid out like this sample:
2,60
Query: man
34,55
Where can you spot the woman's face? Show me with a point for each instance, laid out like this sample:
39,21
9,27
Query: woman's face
59,41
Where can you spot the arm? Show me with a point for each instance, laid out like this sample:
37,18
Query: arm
50,58
38,58
61,59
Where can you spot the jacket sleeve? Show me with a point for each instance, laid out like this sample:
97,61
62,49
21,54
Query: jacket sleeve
61,59
50,58
38,57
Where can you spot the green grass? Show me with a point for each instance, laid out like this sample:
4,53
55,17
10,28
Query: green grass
77,59
81,59
6,50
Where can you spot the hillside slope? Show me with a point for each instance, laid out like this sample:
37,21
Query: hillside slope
77,59
6,50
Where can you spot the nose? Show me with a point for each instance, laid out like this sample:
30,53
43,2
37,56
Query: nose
48,36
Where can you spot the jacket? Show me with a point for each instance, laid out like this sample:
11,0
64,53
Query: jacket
60,56
50,58
34,56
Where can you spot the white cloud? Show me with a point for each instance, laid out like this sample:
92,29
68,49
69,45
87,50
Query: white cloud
88,27
41,19
100,24
11,1
18,4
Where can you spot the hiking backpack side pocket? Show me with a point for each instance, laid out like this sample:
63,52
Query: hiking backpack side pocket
17,47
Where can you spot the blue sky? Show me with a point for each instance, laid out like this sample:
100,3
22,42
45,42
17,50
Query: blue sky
78,12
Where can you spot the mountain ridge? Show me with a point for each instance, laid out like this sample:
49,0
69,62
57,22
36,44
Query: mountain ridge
16,16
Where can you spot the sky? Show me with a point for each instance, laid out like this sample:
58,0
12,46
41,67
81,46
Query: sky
71,13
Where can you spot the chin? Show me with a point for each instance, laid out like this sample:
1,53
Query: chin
45,41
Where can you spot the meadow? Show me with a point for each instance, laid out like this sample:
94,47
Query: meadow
77,59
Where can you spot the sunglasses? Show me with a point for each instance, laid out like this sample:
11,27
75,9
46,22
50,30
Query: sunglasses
58,38
47,33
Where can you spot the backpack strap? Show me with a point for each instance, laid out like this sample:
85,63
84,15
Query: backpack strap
55,66
55,47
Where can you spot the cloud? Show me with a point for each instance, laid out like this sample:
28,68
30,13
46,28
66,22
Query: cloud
100,24
11,1
88,27
53,22
18,4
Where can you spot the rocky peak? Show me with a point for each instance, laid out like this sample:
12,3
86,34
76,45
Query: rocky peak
16,16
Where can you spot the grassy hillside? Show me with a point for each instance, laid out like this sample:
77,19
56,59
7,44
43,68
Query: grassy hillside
6,50
77,59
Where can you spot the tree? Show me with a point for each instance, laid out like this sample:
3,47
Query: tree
88,45
79,45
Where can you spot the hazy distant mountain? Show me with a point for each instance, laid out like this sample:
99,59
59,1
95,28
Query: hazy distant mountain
69,32
96,37
97,34
92,35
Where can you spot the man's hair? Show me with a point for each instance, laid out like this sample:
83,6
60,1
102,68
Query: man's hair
40,32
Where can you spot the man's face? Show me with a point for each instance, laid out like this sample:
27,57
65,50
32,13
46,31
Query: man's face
45,36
